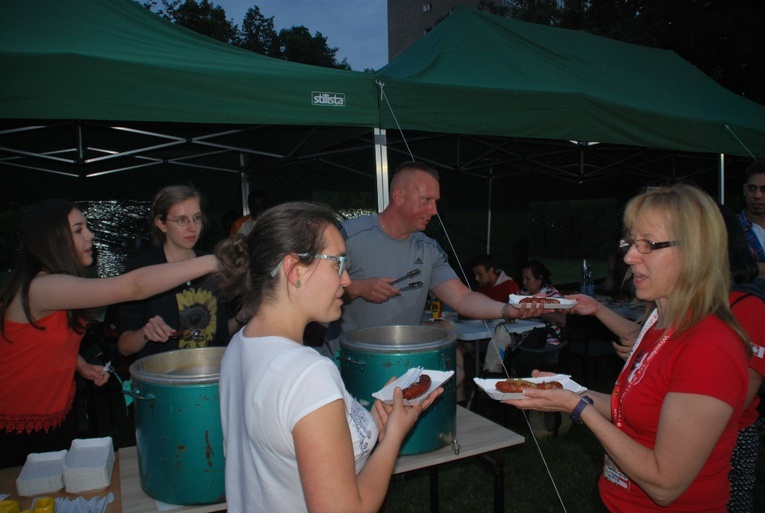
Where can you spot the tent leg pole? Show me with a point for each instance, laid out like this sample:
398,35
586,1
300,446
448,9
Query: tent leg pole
381,168
721,178
245,181
488,217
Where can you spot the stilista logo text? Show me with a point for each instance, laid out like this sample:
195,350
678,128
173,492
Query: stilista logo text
324,99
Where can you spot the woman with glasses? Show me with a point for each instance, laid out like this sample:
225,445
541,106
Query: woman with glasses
43,318
188,316
670,424
295,439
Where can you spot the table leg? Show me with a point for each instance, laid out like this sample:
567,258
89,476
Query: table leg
496,460
499,483
434,489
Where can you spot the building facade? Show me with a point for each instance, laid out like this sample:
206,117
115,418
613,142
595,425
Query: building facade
409,20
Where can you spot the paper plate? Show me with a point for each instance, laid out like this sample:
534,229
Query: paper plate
562,304
489,386
437,378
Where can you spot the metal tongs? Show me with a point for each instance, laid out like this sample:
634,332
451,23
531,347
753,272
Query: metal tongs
410,274
412,286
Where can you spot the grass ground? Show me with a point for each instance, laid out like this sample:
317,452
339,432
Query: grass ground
574,461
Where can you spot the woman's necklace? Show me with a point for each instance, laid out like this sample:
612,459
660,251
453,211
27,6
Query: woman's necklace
636,365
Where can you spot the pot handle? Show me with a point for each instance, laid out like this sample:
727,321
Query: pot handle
136,394
351,360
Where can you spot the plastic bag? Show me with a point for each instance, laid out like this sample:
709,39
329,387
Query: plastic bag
501,342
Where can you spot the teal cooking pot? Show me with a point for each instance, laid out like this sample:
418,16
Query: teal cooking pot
369,357
178,431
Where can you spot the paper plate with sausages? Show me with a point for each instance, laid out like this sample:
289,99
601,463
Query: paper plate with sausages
416,383
490,386
553,303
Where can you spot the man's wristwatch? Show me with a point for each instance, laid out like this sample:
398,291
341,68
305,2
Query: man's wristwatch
575,415
504,313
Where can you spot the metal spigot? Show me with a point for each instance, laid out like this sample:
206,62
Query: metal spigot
450,440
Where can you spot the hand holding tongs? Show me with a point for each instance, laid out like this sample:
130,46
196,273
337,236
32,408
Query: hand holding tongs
412,286
410,274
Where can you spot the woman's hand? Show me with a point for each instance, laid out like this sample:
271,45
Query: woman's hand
397,419
585,305
623,348
157,330
546,400
91,372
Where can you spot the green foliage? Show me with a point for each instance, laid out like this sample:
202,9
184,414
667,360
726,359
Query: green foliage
721,39
203,18
299,46
257,33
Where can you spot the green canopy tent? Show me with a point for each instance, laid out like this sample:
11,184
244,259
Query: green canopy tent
538,111
94,88
477,73
100,87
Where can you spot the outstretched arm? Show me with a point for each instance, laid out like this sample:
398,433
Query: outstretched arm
478,306
50,292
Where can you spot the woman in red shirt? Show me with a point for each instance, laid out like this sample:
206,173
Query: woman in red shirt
670,424
43,315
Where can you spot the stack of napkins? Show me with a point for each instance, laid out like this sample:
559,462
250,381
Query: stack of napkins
83,505
43,472
89,464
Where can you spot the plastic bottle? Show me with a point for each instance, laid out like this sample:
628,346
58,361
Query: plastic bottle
583,282
590,282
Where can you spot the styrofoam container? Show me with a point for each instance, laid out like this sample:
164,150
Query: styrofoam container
43,472
89,464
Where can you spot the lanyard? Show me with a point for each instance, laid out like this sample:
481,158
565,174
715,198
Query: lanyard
635,368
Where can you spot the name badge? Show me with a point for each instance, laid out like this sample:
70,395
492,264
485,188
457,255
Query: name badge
613,474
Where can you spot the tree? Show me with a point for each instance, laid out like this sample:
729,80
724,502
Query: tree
299,46
720,38
258,34
203,17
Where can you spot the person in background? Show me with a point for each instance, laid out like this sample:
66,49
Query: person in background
256,203
752,217
383,247
189,315
747,302
537,281
294,438
43,317
228,220
492,282
668,427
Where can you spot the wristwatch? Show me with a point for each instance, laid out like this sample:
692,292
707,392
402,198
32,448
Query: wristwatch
577,412
505,317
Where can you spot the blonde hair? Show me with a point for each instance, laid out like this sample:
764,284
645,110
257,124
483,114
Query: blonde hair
693,220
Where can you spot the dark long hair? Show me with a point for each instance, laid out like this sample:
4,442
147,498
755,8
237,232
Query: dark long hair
539,271
45,244
290,228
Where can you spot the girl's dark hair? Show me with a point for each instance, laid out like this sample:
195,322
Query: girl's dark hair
290,228
45,244
162,203
742,264
539,271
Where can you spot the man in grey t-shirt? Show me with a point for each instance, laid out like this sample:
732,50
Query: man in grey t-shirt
383,247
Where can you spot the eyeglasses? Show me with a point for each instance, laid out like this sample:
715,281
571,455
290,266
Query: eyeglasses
644,246
342,262
183,221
